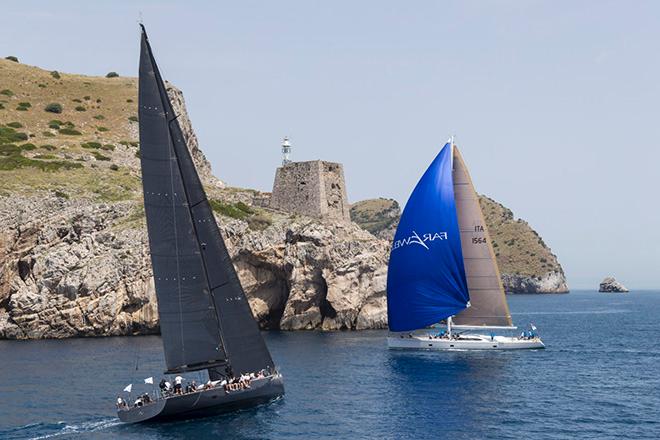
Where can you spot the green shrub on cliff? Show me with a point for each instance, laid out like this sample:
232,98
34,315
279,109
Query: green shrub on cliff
53,107
99,156
8,135
17,161
61,194
234,210
70,131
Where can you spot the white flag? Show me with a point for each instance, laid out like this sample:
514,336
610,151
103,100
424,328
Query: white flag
128,388
149,380
533,327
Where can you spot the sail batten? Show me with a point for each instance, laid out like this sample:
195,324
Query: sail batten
206,320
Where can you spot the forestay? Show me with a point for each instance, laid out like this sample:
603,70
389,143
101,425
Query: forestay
205,318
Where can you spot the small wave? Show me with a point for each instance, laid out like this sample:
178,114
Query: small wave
24,427
91,426
579,312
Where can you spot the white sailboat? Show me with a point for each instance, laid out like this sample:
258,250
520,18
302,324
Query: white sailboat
444,290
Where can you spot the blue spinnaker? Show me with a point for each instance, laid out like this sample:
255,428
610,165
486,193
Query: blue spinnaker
426,278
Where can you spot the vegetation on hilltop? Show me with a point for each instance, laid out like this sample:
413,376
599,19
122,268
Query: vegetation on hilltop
519,248
31,97
376,215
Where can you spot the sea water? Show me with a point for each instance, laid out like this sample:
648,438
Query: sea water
599,378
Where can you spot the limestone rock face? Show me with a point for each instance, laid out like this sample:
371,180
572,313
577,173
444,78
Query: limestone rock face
66,272
71,268
310,274
203,166
609,284
550,282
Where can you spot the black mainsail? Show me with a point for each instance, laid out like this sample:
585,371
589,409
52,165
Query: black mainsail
205,318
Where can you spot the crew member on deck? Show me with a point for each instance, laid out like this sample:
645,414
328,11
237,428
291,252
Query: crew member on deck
121,403
178,388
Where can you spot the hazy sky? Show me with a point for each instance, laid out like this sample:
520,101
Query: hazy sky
554,104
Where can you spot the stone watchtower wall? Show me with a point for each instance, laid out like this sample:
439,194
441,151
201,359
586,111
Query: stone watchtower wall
315,188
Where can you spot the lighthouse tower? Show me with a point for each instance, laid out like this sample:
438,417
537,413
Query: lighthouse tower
286,151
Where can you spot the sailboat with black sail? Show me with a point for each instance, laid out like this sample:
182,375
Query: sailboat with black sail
205,319
443,282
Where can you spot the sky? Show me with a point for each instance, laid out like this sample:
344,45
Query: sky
554,104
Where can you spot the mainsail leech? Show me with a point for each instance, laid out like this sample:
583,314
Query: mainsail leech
488,306
205,317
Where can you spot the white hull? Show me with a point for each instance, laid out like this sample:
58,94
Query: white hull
464,342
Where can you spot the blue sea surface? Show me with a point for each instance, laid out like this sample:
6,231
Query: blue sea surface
599,378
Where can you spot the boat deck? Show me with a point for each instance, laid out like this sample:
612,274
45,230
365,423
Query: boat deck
463,342
205,403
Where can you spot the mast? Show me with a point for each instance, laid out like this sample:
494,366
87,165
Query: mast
206,321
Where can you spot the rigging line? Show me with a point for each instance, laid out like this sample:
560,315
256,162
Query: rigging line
137,348
194,226
176,245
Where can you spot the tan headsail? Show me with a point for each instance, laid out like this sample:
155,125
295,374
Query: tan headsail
488,306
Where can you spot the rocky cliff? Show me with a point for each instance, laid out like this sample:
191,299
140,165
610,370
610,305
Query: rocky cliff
526,263
73,248
75,268
74,258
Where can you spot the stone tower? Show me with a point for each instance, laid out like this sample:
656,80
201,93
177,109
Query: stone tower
315,188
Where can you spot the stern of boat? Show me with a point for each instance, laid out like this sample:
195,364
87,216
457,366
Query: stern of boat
141,413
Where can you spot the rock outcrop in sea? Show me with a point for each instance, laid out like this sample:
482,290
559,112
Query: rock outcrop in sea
609,284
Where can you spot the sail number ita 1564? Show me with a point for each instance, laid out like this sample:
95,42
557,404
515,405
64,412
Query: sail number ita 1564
478,240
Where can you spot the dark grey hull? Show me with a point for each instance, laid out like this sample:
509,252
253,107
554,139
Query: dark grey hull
206,403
